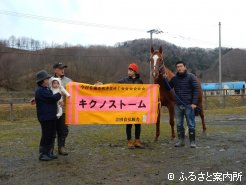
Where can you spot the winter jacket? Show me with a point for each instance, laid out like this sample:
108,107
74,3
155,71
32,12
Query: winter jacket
46,103
130,80
185,87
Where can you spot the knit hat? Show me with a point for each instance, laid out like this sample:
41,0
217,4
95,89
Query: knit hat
42,75
134,67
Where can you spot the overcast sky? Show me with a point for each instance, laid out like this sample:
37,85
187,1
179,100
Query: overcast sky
187,23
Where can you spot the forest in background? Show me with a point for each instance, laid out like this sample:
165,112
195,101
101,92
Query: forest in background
21,58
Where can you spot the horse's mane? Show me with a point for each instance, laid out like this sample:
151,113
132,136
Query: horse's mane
169,73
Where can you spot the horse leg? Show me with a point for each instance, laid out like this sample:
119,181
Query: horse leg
203,122
157,134
171,119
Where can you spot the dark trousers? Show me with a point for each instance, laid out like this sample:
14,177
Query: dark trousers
129,131
61,130
48,135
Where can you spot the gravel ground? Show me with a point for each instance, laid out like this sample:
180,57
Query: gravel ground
98,155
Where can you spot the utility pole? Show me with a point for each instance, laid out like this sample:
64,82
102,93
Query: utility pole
156,31
220,79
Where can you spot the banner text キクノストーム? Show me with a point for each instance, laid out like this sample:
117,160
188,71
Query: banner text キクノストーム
112,103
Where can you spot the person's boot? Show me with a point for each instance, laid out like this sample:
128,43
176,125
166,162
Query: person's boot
192,136
62,150
181,137
43,156
138,144
40,149
51,154
130,144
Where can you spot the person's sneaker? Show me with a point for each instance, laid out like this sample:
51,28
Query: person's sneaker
62,151
130,144
180,143
44,157
192,144
52,156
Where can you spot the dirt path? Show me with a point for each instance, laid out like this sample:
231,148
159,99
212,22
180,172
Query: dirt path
98,155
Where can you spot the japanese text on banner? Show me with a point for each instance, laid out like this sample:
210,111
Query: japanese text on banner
112,103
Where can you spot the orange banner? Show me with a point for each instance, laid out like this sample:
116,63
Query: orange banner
112,103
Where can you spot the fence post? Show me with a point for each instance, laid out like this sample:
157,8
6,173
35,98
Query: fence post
11,110
242,99
206,100
224,98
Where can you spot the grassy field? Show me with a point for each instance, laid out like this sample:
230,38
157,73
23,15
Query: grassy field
98,154
23,111
215,102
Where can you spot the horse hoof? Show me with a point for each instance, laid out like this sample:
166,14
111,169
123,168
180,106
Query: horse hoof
204,133
173,137
156,139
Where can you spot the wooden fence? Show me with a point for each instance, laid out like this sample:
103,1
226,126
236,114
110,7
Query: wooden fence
218,99
11,102
223,99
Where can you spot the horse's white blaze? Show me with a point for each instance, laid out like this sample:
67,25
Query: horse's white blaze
155,58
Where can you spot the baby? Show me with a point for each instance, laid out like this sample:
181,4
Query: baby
55,86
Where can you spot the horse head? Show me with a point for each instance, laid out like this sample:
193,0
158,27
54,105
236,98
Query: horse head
156,62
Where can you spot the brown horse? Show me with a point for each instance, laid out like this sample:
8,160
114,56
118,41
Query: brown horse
166,96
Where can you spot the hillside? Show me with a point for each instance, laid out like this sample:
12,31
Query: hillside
232,67
108,64
198,60
88,65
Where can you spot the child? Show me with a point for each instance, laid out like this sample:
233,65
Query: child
55,86
46,104
133,78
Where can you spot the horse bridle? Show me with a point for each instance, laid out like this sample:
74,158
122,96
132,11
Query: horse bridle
161,68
